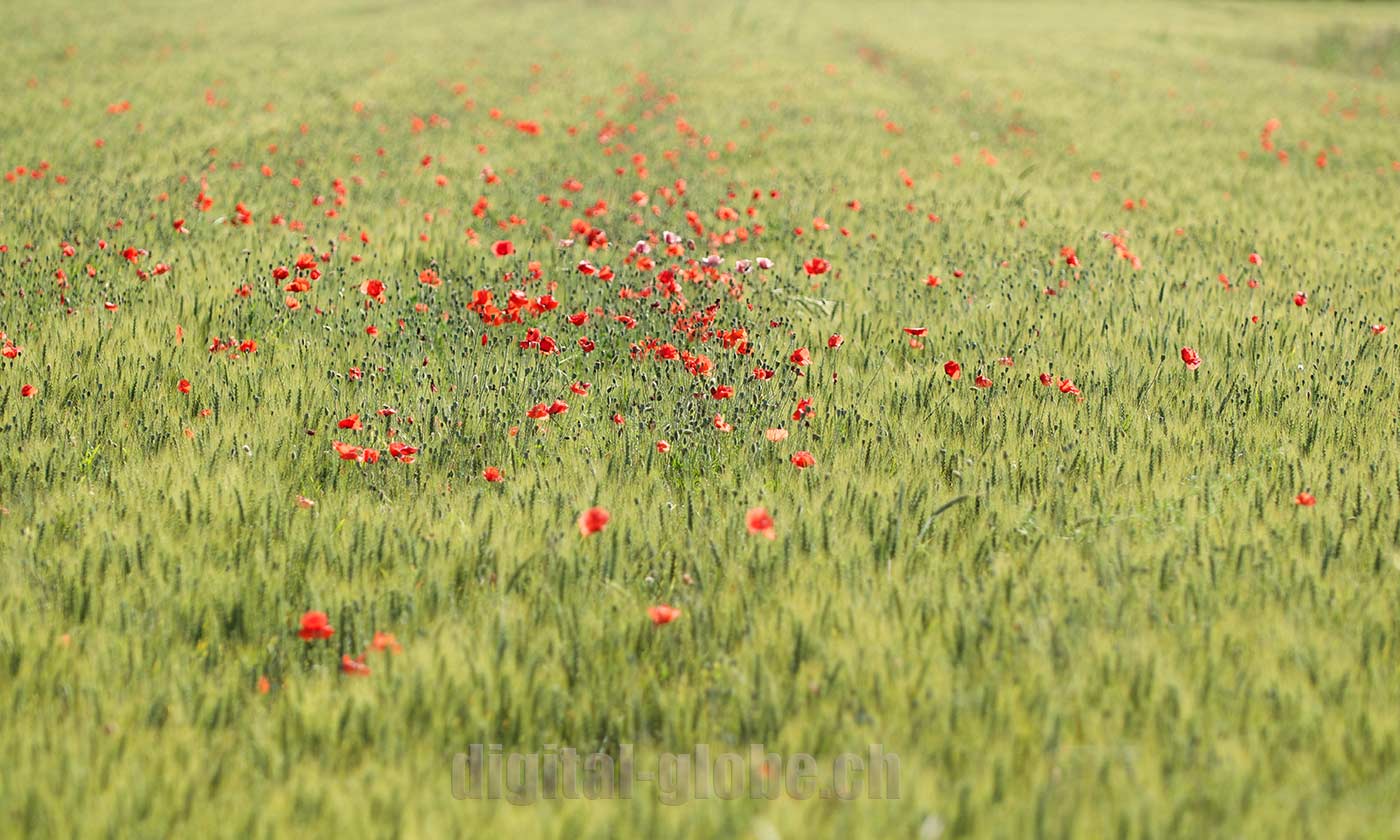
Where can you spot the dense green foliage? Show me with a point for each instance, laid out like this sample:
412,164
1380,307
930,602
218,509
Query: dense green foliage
1102,615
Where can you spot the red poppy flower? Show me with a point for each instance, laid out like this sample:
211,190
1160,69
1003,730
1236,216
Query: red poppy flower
385,642
183,386
835,341
981,381
815,266
348,451
27,390
801,357
759,522
504,248
1191,358
593,520
374,289
352,423
1300,298
315,625
1378,329
663,447
663,614
802,459
354,667
1305,499
917,332
722,392
492,474
953,369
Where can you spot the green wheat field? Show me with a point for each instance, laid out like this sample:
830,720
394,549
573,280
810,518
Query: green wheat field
1005,384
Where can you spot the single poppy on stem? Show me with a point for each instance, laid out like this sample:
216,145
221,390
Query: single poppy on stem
593,520
663,614
315,625
760,522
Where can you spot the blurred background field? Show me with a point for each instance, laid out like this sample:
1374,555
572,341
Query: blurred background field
1095,616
